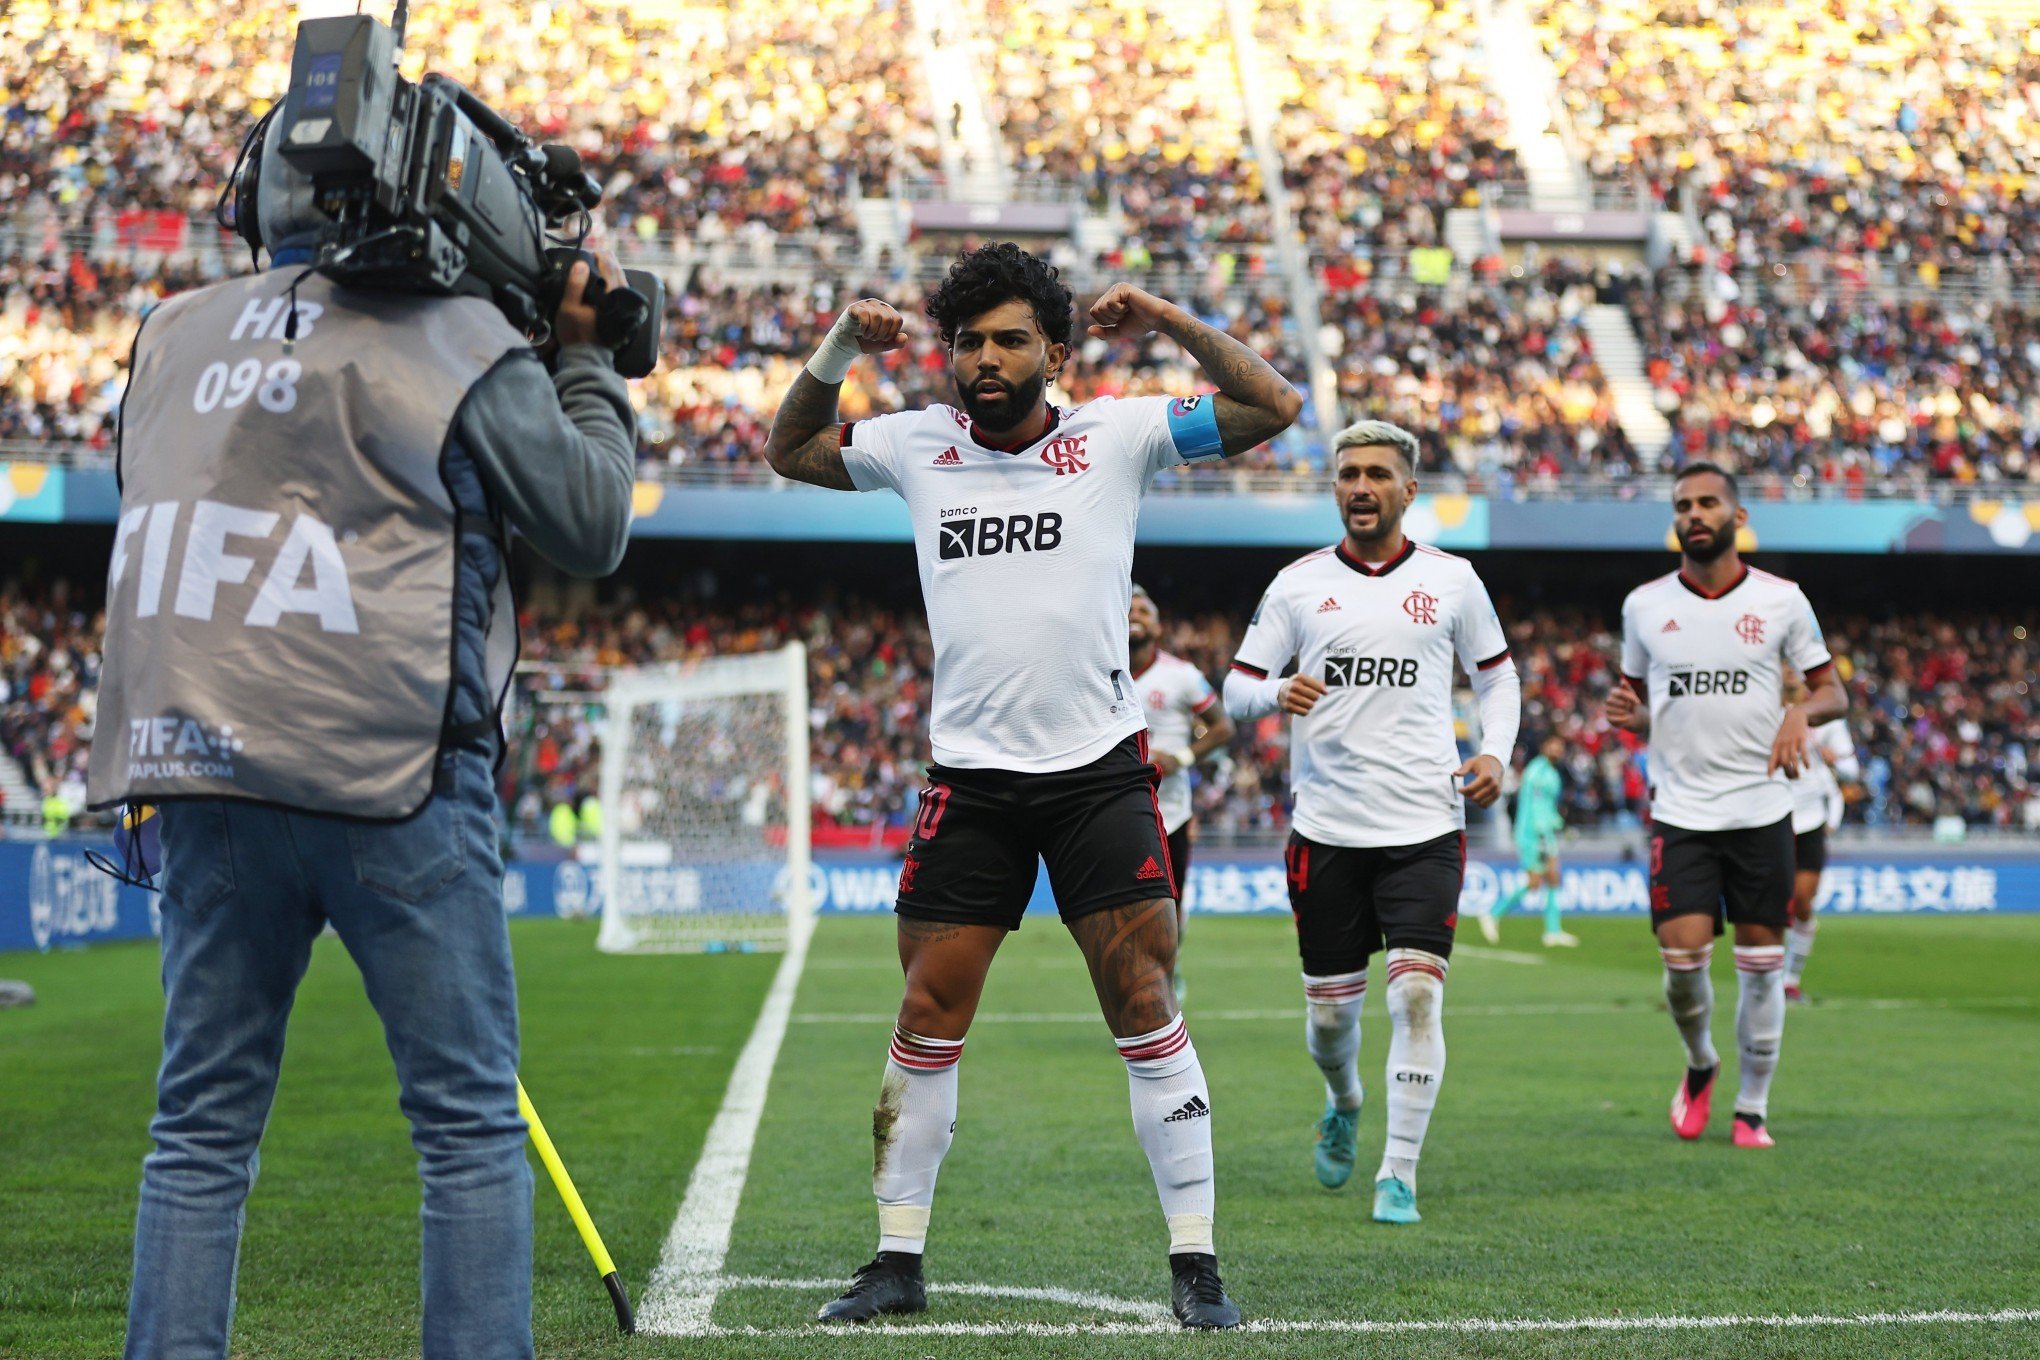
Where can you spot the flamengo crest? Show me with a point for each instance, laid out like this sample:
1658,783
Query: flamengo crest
1750,629
1420,607
1066,454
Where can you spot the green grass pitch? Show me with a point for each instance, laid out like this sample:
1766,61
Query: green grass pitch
1907,1177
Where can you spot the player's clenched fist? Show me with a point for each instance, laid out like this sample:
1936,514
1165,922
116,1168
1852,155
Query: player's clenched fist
1625,710
1300,694
874,325
1125,310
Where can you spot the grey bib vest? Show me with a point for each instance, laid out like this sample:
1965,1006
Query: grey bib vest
280,608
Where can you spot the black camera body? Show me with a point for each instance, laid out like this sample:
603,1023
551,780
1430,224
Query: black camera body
426,189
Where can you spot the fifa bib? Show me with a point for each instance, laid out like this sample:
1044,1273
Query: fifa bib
280,604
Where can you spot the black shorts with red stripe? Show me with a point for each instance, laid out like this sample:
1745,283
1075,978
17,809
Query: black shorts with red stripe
981,833
1350,903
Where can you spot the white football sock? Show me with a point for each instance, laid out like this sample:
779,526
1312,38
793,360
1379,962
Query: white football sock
911,1130
1798,944
1416,1056
1172,1117
1689,992
1759,1022
1331,1031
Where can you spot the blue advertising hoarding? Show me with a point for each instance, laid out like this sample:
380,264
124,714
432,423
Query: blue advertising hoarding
50,897
777,511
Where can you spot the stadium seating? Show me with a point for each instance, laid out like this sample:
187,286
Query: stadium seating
1942,709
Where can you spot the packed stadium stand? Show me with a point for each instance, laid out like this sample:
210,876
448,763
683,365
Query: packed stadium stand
1828,282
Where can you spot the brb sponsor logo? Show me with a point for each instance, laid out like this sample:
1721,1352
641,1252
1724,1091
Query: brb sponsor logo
1354,671
1692,680
169,747
974,535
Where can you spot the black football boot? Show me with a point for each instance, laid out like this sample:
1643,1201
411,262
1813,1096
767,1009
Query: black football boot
889,1283
1198,1295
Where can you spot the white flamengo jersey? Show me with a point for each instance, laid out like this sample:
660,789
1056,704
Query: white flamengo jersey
1816,794
1372,763
1175,694
1711,667
1026,559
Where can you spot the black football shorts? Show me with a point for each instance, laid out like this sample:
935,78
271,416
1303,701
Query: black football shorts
1809,850
1350,903
980,833
1743,876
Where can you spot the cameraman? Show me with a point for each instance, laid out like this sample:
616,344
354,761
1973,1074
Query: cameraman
309,634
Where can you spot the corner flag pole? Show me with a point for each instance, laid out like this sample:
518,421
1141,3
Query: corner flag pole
625,1322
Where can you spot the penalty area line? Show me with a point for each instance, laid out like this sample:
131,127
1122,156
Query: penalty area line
684,1284
1562,1008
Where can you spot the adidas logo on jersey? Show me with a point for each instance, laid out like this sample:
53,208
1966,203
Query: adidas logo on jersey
1671,626
1151,869
1193,1108
949,457
1330,606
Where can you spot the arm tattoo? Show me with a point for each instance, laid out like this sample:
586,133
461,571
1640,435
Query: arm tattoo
1255,403
806,443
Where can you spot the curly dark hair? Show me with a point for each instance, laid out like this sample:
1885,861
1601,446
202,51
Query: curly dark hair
997,272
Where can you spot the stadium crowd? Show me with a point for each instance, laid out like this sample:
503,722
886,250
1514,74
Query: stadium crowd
1878,135
1945,709
1846,392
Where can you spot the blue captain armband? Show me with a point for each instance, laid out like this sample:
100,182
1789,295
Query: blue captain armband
1193,426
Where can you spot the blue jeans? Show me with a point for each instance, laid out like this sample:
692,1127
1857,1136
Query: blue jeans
419,906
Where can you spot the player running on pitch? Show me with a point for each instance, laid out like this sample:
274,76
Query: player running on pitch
1186,723
1701,652
1379,846
1816,810
1023,517
1538,823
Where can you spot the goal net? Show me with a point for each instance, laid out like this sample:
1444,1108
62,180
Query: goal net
705,798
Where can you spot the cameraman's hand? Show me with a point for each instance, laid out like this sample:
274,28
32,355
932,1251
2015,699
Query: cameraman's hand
574,323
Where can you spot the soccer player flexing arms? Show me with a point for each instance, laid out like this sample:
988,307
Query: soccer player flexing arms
1186,723
1023,519
1379,846
1701,653
1816,810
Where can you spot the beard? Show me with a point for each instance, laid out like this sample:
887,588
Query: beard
1709,549
1386,522
1005,410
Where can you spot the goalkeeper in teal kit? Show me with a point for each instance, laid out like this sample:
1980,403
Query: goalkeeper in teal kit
1538,823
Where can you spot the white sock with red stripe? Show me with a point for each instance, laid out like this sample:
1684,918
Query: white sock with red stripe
911,1130
1689,994
1331,1031
1798,944
1416,1057
1172,1117
1759,1022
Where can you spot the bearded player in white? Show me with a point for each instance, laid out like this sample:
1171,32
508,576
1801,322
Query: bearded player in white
1186,723
1023,519
1702,657
1817,807
1378,853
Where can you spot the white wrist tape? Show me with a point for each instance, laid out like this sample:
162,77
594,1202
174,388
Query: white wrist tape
1184,759
831,363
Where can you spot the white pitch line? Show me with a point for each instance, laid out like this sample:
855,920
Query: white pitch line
1075,1298
684,1284
1481,951
1156,1322
1640,1007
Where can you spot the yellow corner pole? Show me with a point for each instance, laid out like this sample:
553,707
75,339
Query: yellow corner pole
577,1211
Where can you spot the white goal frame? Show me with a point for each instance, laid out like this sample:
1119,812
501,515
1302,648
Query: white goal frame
782,673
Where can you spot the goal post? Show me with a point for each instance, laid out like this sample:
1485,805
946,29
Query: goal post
704,786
